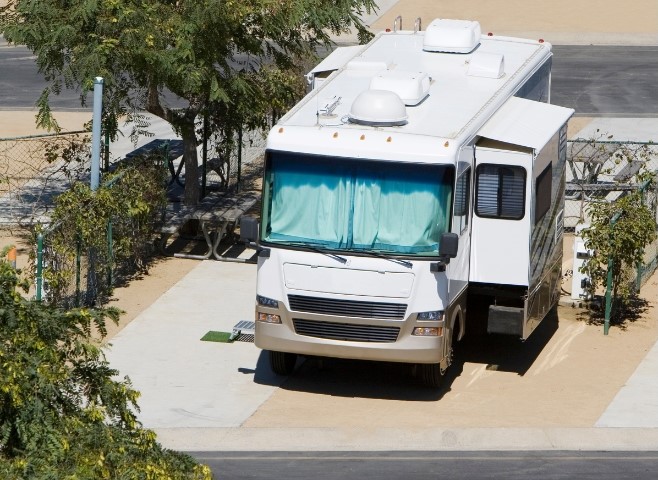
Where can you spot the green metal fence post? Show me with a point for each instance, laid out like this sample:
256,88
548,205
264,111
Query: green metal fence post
204,156
39,278
110,269
608,298
78,255
608,288
239,158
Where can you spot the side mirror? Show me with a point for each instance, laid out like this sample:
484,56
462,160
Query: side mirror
248,230
448,245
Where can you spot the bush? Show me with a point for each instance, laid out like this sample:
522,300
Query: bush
131,199
622,242
63,413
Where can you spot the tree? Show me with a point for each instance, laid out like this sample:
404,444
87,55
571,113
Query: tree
62,413
204,51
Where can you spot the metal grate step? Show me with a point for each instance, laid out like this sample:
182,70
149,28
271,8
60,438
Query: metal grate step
243,331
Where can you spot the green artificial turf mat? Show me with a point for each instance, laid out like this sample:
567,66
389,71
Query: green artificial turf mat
211,336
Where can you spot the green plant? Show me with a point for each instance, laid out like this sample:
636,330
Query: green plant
618,233
130,200
63,412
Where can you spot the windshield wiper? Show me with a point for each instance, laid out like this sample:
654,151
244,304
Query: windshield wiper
311,248
374,253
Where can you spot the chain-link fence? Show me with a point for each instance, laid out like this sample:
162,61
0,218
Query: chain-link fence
34,169
601,171
650,259
235,172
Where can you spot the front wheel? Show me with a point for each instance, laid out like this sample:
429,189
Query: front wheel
430,374
282,363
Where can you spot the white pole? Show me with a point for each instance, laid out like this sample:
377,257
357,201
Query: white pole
96,133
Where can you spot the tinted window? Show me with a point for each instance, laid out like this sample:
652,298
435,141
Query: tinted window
500,191
543,187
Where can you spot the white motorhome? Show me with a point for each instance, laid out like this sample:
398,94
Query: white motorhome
423,173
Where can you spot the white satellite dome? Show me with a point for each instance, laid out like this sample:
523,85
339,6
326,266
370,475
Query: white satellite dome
378,108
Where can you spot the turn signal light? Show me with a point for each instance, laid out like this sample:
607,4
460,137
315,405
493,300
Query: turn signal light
268,318
428,331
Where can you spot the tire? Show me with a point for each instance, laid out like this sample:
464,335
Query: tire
282,363
430,374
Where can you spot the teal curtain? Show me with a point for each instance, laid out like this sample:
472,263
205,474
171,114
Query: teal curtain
405,214
310,204
352,204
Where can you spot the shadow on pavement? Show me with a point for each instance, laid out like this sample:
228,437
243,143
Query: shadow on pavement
396,381
508,353
354,378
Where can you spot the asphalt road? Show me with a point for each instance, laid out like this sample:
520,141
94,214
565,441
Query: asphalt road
613,81
21,83
431,465
596,81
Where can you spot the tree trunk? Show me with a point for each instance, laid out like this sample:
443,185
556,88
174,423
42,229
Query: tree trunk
184,122
192,190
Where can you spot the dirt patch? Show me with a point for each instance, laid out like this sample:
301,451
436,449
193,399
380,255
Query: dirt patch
565,374
22,122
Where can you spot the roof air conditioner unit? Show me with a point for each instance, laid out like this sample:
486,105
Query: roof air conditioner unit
452,36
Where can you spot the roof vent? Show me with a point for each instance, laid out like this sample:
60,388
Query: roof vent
360,63
411,87
378,108
452,36
488,65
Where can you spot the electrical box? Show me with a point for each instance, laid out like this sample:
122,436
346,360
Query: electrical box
580,281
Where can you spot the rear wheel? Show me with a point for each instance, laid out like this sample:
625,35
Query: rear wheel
430,374
283,363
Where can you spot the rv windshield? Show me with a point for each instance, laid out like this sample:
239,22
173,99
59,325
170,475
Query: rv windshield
346,204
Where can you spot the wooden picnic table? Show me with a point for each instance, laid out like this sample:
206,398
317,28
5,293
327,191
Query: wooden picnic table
217,214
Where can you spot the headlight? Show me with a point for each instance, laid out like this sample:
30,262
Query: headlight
266,302
434,315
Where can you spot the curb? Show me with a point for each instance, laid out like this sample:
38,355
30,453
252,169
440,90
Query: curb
415,439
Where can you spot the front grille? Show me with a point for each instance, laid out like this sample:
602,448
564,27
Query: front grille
346,331
347,308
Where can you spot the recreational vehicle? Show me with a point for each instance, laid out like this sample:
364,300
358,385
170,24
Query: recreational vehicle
422,174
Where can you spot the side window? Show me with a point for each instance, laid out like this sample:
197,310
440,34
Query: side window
462,202
500,191
543,187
